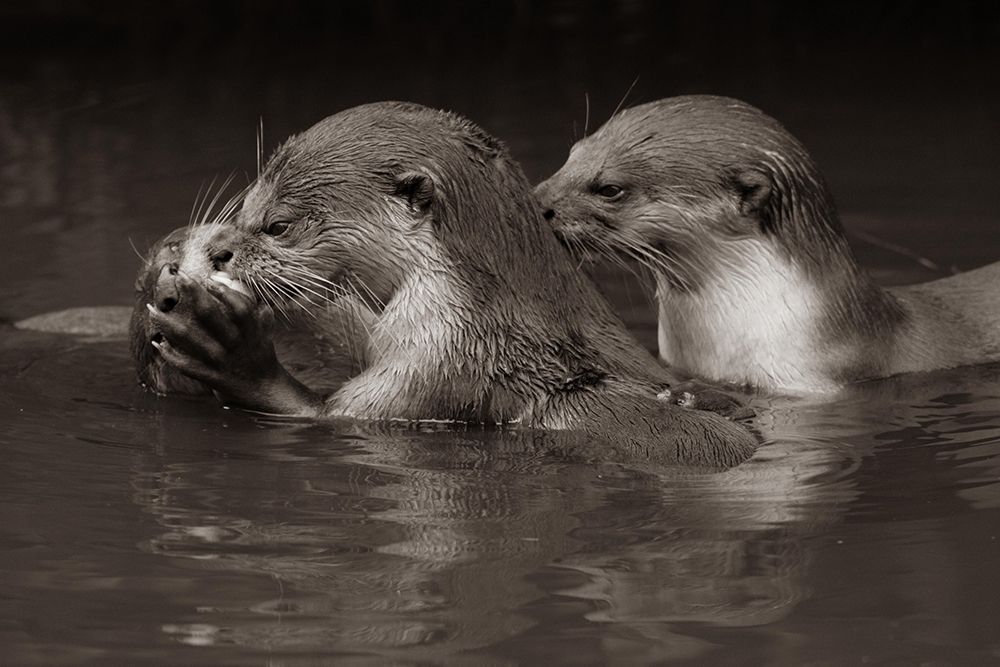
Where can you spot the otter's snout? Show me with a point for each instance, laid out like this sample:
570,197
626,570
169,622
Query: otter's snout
165,293
544,197
219,244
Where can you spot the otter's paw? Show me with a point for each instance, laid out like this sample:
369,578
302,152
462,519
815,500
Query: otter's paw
218,336
698,397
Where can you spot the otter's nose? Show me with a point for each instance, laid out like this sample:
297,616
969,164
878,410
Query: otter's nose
543,195
166,288
220,259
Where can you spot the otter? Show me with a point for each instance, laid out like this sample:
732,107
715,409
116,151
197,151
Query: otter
326,345
481,315
155,284
756,282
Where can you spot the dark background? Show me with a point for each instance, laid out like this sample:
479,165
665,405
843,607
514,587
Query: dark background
112,114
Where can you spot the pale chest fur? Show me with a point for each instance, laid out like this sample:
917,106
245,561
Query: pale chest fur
432,358
756,326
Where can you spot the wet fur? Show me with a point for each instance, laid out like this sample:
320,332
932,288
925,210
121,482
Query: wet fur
756,281
317,345
481,315
150,368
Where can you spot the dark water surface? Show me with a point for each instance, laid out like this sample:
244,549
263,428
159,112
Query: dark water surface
137,530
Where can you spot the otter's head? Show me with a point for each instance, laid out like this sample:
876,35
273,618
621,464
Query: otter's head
155,285
370,196
674,183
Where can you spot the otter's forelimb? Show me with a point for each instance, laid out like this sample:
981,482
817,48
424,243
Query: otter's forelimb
220,337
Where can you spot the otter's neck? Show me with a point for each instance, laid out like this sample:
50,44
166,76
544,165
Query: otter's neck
762,320
444,349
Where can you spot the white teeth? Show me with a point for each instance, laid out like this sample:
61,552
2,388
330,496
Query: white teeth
230,282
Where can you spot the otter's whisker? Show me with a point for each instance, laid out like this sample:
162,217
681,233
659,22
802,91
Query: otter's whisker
317,283
215,199
296,291
260,145
145,262
673,264
310,286
625,96
293,295
279,296
658,261
262,295
230,206
204,208
201,201
371,293
320,282
268,295
197,204
343,298
317,279
652,258
617,259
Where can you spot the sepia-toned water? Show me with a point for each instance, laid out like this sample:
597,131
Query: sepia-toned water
143,530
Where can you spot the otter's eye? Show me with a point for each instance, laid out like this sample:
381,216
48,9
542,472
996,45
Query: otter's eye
610,191
277,228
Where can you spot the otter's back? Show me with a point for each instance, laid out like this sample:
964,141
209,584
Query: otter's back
967,309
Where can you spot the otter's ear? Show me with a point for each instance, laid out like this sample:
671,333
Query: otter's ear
417,188
754,189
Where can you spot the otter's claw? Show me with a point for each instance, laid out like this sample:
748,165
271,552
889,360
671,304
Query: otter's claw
706,399
185,363
220,337
685,399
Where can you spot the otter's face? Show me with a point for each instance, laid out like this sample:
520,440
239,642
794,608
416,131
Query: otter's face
353,206
335,213
155,285
350,210
662,186
306,237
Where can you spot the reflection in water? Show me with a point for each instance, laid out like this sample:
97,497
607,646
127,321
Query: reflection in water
432,542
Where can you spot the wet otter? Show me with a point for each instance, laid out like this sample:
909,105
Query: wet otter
155,284
327,345
756,282
481,315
